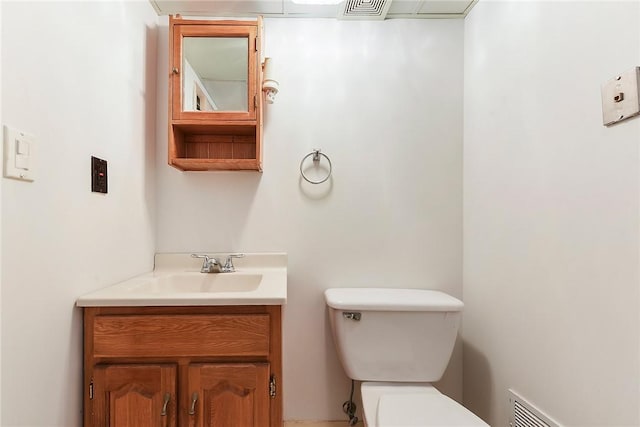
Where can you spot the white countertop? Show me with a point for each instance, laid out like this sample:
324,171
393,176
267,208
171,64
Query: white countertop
259,279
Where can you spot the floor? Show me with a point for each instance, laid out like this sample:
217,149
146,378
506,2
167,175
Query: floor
344,423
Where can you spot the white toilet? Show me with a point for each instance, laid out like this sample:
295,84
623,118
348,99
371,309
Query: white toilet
398,341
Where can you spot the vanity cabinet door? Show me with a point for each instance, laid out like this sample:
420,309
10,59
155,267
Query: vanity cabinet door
134,396
233,394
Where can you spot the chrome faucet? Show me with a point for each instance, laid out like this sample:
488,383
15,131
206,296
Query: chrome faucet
214,265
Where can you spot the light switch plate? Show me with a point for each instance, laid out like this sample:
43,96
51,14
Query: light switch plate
620,98
19,154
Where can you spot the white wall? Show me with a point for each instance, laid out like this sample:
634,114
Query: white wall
80,76
551,217
1,172
384,101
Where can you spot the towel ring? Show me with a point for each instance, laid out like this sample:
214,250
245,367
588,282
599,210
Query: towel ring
316,158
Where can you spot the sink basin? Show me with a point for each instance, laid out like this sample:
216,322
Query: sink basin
259,279
201,282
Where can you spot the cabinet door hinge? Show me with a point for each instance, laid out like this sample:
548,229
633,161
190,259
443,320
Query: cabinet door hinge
272,387
255,101
255,44
91,389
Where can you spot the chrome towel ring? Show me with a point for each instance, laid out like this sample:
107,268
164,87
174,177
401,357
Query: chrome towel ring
316,158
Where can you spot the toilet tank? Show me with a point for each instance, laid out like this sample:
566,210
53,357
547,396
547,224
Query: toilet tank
383,334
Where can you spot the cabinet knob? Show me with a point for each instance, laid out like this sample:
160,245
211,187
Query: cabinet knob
194,399
175,70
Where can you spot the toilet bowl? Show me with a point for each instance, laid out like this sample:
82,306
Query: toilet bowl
412,405
397,342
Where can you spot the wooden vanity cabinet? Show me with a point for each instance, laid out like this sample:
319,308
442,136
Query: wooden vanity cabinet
215,96
183,366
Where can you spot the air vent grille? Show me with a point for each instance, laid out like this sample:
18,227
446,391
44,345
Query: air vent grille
523,414
526,418
366,9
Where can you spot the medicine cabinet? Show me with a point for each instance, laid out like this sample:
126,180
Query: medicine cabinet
215,101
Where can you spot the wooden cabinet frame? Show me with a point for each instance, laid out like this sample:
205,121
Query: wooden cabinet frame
215,140
225,340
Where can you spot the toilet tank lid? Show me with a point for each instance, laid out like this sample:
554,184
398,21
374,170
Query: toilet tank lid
388,299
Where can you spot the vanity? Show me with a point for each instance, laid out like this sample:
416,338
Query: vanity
177,347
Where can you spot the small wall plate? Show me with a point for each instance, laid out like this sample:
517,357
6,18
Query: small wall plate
19,154
620,98
98,175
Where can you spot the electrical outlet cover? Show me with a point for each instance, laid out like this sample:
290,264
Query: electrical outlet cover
98,175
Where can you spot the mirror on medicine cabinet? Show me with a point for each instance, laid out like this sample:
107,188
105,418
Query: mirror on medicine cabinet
215,96
215,73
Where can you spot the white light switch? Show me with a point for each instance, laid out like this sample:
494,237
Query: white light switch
22,162
19,154
620,97
23,147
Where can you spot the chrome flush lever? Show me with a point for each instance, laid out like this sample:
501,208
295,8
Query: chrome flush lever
352,315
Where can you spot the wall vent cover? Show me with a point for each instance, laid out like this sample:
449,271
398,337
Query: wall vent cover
365,9
524,414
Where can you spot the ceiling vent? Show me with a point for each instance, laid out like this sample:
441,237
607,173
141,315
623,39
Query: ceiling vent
365,9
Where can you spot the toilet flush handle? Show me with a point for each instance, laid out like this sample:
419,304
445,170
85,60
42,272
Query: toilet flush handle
352,315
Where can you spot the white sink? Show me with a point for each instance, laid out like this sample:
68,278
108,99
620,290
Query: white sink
201,282
259,279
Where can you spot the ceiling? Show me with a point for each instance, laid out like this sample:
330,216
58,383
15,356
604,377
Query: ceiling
356,9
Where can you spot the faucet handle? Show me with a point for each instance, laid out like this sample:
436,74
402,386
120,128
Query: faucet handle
207,261
210,264
228,265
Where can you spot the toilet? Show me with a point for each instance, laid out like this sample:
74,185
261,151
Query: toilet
397,342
